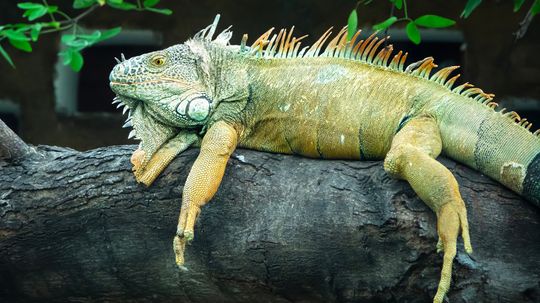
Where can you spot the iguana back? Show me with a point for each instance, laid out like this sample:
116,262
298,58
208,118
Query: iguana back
349,105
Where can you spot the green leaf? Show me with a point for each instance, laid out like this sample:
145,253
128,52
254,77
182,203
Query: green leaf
413,33
107,34
22,45
90,38
52,9
150,3
352,24
535,9
470,7
122,5
433,21
21,27
385,24
29,5
397,3
164,11
34,32
67,38
77,61
75,42
6,56
73,58
518,4
79,4
15,35
34,14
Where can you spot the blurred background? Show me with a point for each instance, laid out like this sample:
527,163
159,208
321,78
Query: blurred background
46,102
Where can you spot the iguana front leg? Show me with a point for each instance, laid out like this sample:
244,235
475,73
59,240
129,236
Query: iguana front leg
203,181
412,157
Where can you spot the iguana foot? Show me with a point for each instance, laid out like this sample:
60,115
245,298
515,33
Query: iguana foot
451,218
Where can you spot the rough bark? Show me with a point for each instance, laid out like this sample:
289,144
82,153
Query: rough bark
76,227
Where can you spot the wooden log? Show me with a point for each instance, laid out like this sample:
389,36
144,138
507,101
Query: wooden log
76,227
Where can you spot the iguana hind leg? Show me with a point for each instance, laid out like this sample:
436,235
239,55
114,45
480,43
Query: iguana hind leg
203,181
412,157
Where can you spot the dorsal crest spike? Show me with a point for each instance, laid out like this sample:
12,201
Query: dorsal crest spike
332,45
287,43
374,49
492,105
243,43
342,44
458,89
351,45
451,82
365,53
284,44
402,62
472,91
213,27
414,67
315,48
389,49
441,75
363,46
257,44
395,61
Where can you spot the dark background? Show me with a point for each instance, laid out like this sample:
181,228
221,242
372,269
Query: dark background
483,45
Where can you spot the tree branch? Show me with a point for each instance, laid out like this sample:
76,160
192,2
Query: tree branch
76,227
11,146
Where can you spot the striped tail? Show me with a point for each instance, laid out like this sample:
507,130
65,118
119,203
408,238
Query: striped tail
495,143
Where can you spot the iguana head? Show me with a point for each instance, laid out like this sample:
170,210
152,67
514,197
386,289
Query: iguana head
172,95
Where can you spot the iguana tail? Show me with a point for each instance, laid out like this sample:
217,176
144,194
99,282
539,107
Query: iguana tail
496,143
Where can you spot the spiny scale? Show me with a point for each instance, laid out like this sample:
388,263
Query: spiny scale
285,45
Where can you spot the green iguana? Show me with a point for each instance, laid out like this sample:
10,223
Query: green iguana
344,99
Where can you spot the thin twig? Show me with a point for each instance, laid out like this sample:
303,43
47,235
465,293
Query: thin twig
524,24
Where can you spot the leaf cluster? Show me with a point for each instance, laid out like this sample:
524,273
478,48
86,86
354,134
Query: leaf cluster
22,35
424,21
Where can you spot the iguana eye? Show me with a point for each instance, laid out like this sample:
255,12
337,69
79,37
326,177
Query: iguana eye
158,60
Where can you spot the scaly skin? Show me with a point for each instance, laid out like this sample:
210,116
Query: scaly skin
350,102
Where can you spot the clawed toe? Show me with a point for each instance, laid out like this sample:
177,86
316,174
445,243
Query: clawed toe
440,246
